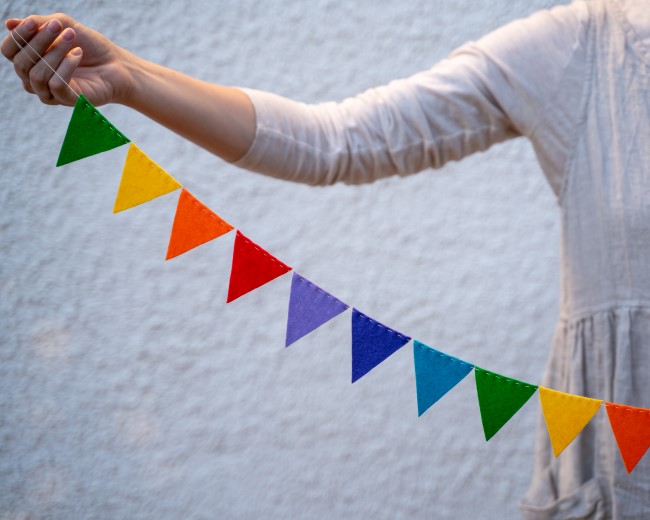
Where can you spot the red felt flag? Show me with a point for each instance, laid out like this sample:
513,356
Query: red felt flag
252,267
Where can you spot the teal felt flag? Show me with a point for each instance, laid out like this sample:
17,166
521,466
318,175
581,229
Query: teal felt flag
89,133
435,374
499,398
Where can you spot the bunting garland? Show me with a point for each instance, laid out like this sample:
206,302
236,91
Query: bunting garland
309,308
631,427
436,373
89,133
142,180
499,398
566,415
252,267
372,343
194,225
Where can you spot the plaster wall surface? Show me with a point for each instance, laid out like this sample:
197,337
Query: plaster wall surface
128,389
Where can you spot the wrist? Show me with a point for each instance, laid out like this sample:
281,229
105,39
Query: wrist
130,85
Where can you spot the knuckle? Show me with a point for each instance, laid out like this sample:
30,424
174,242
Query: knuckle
37,75
63,18
55,84
28,88
4,48
47,100
22,66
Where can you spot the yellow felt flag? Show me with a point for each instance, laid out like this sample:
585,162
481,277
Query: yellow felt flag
142,180
566,415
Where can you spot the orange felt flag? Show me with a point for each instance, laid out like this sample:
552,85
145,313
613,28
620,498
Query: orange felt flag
194,224
631,427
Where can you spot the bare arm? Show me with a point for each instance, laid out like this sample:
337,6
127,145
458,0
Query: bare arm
218,118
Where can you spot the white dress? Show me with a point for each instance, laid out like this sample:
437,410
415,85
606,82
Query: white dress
575,80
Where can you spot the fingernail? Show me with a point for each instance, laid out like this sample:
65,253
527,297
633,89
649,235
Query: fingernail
30,24
68,35
76,52
54,26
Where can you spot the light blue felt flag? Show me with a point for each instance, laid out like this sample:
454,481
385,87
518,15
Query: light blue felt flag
435,374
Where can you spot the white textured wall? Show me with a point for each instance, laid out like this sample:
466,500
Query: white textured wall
128,389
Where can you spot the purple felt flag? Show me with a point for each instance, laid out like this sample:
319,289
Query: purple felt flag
309,308
372,343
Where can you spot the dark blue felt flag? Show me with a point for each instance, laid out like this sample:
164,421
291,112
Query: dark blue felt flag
372,343
435,374
309,308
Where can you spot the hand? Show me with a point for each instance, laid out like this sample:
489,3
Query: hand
220,119
88,61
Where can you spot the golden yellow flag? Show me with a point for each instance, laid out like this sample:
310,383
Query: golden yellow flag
142,180
566,415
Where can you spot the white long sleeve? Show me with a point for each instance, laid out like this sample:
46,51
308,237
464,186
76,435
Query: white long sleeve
502,86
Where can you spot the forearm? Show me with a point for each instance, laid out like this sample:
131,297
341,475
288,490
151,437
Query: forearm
218,118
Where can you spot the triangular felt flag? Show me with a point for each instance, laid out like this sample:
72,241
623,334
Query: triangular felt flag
142,180
372,343
566,415
194,224
309,308
435,374
499,398
252,267
631,427
89,133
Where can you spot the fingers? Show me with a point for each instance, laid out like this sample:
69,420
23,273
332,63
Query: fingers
29,55
41,73
59,83
13,43
37,51
12,23
27,28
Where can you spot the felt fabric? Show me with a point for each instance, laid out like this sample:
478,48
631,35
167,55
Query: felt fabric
372,343
252,267
309,308
566,415
89,133
499,398
142,180
194,225
435,374
631,427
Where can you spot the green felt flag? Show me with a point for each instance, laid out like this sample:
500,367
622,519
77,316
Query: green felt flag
89,133
499,398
